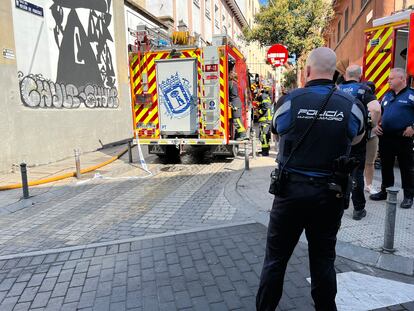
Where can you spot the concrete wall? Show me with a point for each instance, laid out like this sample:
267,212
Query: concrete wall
57,98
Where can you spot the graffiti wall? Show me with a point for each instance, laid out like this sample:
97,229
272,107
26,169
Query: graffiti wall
65,54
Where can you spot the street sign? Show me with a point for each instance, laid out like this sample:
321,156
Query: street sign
277,55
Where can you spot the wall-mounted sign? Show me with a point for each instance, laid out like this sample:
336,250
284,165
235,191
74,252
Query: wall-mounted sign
29,7
374,42
8,54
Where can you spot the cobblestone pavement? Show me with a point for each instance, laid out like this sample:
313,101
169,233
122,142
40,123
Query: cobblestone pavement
177,197
215,269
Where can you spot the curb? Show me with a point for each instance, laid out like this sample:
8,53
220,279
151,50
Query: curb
64,176
362,255
116,242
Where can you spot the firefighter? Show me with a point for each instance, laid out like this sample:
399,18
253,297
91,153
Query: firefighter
265,120
236,106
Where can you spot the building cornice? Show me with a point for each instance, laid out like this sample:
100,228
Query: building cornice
234,7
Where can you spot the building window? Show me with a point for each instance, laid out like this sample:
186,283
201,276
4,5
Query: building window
207,8
363,2
197,3
346,20
339,32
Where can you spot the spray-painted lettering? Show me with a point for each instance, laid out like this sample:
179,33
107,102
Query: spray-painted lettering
38,92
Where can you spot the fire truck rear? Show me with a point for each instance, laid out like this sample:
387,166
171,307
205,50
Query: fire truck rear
389,44
180,94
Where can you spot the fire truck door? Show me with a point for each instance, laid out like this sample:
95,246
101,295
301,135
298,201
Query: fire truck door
177,96
410,53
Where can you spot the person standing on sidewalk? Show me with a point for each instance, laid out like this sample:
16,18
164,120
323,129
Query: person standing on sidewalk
363,93
310,196
396,131
265,120
236,106
372,150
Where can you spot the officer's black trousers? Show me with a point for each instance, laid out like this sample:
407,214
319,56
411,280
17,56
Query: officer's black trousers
358,196
309,207
390,147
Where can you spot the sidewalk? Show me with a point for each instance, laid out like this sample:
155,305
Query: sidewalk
357,240
11,200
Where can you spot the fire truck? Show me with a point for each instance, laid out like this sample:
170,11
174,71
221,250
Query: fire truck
389,44
180,93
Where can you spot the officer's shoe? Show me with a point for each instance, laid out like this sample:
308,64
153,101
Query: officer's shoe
379,196
407,203
358,215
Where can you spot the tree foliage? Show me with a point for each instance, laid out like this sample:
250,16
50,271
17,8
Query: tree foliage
297,24
290,79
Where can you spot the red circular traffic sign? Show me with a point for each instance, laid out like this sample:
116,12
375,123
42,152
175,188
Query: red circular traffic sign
277,55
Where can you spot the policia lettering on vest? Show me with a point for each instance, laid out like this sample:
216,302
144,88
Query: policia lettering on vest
313,178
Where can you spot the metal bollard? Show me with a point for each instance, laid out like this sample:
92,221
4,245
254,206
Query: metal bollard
25,184
77,163
246,158
389,228
130,151
254,144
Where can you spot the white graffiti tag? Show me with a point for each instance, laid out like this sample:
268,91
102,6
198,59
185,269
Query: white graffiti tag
37,92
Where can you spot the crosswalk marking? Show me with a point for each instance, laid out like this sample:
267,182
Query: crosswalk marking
361,292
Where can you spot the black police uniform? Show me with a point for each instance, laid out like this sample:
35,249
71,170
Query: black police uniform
306,201
397,115
364,94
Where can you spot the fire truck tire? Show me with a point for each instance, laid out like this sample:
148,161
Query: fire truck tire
172,152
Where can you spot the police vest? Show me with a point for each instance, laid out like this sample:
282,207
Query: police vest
358,90
398,111
355,89
328,138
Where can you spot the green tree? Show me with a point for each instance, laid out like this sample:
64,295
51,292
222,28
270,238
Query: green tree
297,24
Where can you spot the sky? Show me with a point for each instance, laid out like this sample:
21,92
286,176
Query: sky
263,1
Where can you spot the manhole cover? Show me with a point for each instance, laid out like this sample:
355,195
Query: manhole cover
172,169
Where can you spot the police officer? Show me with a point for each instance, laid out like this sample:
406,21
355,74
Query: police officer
237,107
396,136
265,120
308,200
363,93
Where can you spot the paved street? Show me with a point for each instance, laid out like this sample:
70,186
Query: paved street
181,239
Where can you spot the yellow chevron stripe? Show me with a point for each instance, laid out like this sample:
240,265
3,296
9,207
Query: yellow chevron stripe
144,111
150,115
376,36
379,70
383,90
375,63
383,39
138,79
382,79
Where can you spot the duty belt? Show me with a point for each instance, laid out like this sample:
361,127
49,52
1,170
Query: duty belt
293,177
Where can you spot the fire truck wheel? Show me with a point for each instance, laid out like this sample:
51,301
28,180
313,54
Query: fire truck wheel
172,152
